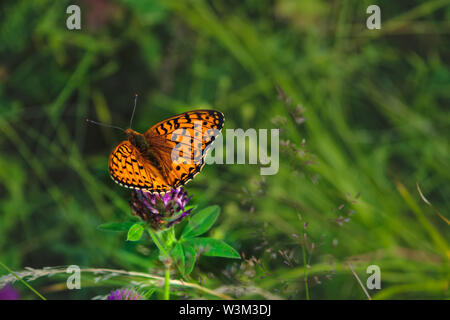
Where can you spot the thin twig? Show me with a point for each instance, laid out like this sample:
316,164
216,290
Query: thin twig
36,273
431,206
248,290
359,281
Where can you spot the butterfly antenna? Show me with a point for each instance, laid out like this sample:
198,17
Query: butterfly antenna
134,109
104,125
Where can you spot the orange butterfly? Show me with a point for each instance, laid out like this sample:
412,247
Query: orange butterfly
146,161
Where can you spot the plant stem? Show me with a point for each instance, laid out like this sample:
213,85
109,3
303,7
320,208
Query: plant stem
167,284
23,281
166,261
305,271
157,242
359,281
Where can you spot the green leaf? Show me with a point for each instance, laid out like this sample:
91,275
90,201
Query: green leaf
214,248
147,294
116,226
193,207
135,232
178,257
201,222
189,258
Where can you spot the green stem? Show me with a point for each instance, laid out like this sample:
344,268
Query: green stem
157,242
167,284
23,281
305,271
166,261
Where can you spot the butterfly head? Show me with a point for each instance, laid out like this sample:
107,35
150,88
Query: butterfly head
130,132
138,140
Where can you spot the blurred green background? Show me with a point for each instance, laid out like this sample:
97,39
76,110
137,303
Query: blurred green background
363,117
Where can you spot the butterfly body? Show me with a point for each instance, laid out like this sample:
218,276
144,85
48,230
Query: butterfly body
146,161
138,140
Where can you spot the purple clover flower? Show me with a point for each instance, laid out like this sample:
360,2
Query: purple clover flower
124,294
9,293
160,211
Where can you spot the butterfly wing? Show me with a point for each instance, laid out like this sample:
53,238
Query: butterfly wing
197,128
128,168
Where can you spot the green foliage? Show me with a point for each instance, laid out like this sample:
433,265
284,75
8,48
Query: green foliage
213,248
190,256
179,258
116,226
190,245
201,222
185,250
135,232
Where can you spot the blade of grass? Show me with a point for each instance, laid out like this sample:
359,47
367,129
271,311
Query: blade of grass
359,281
23,281
439,241
431,206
